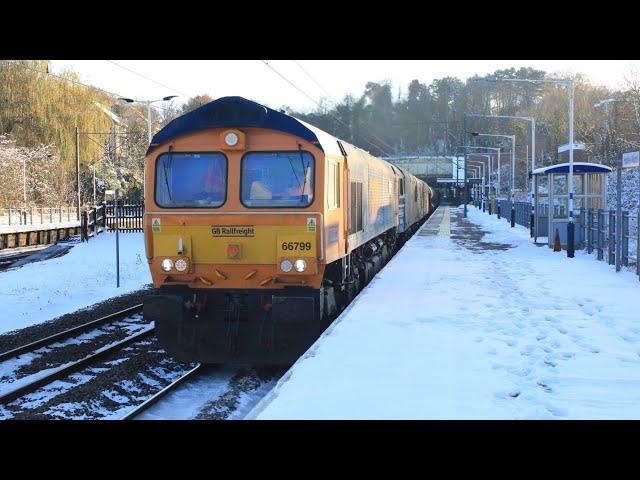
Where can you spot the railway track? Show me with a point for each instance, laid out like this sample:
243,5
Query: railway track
55,356
32,382
162,393
71,332
95,371
66,370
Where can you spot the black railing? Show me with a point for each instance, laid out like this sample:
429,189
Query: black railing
600,235
102,218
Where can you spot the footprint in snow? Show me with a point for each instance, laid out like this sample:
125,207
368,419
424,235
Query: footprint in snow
545,387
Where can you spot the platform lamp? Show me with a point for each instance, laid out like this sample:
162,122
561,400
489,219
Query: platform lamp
115,193
148,104
513,169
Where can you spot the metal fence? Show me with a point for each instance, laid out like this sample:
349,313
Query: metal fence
600,235
102,218
37,215
523,211
599,227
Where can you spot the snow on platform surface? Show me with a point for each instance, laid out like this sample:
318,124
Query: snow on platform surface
475,326
41,291
38,226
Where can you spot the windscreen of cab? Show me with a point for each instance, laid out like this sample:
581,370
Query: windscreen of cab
277,179
197,180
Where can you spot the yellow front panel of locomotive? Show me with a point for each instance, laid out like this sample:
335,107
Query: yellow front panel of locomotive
169,245
259,244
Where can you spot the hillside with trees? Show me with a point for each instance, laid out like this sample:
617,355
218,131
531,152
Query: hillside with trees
39,112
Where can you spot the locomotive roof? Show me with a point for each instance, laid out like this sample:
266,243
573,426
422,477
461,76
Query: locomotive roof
239,112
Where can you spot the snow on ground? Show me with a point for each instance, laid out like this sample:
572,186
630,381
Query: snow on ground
451,331
40,291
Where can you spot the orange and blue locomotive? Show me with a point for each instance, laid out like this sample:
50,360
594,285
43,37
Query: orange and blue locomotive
260,228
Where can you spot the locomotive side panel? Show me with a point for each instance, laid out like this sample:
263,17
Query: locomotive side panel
373,206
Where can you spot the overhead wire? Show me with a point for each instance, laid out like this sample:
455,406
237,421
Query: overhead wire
318,104
335,103
148,78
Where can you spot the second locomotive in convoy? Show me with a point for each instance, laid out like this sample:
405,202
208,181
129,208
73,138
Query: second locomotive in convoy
260,228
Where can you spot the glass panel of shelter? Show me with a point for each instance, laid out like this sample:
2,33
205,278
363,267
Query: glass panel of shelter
542,205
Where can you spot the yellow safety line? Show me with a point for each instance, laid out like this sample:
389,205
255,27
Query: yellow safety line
445,224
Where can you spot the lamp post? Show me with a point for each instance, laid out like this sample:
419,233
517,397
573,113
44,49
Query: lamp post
569,85
148,104
513,169
470,174
499,151
532,194
115,194
477,172
24,181
482,196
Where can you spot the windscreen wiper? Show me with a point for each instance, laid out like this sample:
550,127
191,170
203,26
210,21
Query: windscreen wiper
166,177
304,170
293,170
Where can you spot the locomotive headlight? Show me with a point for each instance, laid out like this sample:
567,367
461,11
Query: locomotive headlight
181,265
231,139
300,265
166,264
286,266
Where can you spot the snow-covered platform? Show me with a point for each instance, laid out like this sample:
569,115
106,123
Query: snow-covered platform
37,227
470,320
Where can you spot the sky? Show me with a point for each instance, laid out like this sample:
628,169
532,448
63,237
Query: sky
333,79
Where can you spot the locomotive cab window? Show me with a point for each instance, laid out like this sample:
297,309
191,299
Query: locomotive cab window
277,179
191,180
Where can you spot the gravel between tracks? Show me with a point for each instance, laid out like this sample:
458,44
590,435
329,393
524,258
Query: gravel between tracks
17,338
246,382
105,390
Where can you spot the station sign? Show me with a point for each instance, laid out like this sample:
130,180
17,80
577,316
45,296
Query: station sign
576,146
631,159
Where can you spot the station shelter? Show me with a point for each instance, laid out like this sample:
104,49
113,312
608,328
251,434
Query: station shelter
551,185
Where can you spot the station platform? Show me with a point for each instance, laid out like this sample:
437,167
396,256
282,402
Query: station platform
38,227
470,320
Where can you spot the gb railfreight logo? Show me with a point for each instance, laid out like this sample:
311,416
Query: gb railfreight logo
233,231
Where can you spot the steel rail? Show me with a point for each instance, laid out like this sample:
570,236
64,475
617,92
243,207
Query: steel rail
69,333
66,370
156,397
